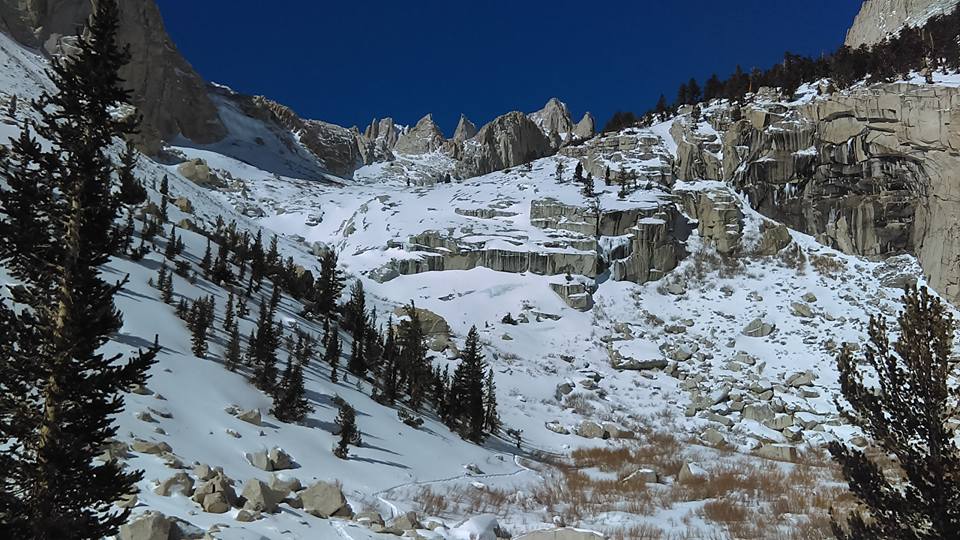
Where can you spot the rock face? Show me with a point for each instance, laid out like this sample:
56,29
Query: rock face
335,146
465,130
878,19
631,155
553,118
423,138
871,171
378,140
507,141
586,127
169,94
656,246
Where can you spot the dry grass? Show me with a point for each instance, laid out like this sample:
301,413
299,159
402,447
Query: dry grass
827,265
741,496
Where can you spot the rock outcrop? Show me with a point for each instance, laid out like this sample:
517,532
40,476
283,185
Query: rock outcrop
553,118
879,19
465,130
170,95
507,141
378,140
336,147
872,171
585,128
423,138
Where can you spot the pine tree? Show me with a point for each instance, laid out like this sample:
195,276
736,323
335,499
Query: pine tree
328,286
257,268
355,310
232,353
907,415
60,394
228,316
332,354
390,372
413,372
164,192
198,321
559,173
220,273
290,402
207,259
467,389
170,252
491,416
662,105
262,350
349,434
132,191
272,261
578,173
165,284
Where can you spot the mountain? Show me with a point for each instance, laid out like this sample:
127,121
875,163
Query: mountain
879,19
662,332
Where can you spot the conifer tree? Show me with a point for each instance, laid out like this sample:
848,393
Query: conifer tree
220,273
328,286
467,389
262,350
355,310
413,371
132,191
491,415
228,316
58,393
232,353
908,415
290,402
559,172
164,192
165,284
170,252
349,434
199,321
207,260
257,258
390,372
332,354
272,261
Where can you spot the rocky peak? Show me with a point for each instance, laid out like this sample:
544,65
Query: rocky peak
465,129
586,127
509,140
554,116
170,95
423,138
879,19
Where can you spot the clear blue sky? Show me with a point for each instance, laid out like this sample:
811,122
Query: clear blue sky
347,61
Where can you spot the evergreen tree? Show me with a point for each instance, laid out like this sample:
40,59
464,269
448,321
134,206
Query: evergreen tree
328,286
257,264
58,393
164,192
662,105
390,372
413,370
290,402
207,260
132,191
262,350
578,173
273,256
693,92
332,354
355,310
491,416
232,354
349,434
199,321
467,389
907,415
165,284
228,315
559,173
170,252
220,272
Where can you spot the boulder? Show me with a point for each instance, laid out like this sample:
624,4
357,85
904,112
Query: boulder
148,526
777,452
180,482
259,497
556,427
198,172
324,500
219,485
801,309
279,459
151,447
183,204
215,503
758,328
591,430
284,484
407,521
251,417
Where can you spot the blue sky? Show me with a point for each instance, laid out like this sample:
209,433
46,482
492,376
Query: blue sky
349,61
